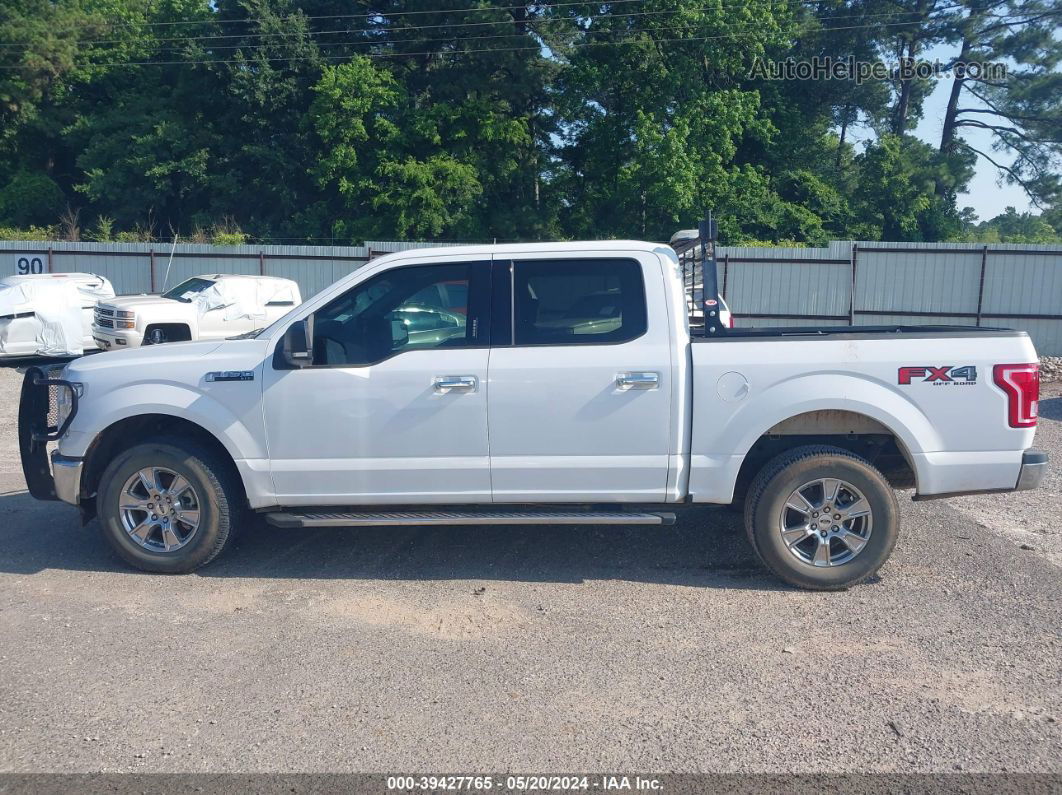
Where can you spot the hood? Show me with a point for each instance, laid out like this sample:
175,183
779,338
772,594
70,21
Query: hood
134,302
182,364
170,353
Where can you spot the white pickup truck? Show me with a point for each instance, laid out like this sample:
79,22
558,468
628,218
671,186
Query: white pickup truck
210,307
533,384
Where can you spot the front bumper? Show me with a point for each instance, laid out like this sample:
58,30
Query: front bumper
66,474
38,424
1033,469
109,339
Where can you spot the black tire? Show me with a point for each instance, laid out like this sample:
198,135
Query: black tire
218,493
780,477
160,335
156,335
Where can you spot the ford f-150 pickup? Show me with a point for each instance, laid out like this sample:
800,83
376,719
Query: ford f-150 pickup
533,384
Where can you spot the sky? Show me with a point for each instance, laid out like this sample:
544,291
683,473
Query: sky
985,195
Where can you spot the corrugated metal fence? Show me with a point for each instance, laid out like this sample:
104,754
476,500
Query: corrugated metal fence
860,283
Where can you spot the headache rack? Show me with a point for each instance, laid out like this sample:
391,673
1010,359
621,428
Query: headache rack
700,279
38,424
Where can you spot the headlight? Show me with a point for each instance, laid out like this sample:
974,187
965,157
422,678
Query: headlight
126,314
64,404
125,324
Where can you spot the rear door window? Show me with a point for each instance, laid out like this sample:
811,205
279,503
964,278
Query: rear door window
578,302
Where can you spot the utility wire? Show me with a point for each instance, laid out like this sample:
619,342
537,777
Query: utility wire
534,20
476,38
465,51
387,14
310,36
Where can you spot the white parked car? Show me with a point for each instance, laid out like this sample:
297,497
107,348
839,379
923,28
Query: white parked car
534,384
201,308
49,314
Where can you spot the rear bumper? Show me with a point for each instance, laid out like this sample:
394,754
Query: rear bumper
1033,469
1030,474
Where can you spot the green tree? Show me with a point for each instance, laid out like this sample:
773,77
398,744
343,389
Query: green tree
1013,227
30,198
895,198
371,135
1022,111
653,114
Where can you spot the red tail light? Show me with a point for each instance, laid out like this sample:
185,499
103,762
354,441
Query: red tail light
730,322
1021,382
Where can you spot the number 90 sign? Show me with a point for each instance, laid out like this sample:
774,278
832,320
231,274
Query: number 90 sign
27,266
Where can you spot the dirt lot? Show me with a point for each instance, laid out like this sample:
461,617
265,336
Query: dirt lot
535,649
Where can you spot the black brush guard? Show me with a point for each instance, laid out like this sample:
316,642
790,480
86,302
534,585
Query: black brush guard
38,424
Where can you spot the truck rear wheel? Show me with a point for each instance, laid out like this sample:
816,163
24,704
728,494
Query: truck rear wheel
169,506
821,517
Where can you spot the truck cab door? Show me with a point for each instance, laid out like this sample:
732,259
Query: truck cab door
213,325
393,408
580,399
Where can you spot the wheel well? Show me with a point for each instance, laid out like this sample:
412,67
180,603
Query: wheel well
848,430
132,431
177,332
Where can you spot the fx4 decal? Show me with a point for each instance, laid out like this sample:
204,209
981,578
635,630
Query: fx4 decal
961,376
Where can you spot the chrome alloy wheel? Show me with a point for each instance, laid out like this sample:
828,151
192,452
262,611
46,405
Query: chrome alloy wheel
159,509
826,522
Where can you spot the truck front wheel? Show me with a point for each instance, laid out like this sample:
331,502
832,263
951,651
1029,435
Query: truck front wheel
821,517
168,332
169,505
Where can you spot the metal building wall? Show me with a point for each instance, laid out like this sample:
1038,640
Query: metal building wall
869,283
862,283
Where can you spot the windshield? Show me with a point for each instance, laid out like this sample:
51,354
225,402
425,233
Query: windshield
184,291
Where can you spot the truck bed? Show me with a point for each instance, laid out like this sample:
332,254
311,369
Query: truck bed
858,332
931,388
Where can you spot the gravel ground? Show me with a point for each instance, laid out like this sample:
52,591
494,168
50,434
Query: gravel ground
536,649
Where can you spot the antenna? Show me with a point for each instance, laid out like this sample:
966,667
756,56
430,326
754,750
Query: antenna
169,262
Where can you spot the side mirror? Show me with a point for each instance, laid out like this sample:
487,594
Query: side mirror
297,345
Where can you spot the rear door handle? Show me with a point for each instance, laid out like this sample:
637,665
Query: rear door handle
638,380
444,384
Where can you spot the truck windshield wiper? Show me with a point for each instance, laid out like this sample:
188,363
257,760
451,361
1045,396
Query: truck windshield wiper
247,335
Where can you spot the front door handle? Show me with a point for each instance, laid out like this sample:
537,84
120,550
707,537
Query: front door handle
638,380
444,384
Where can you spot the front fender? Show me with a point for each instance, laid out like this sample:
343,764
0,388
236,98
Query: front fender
180,318
170,399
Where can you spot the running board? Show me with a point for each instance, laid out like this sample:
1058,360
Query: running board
382,518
